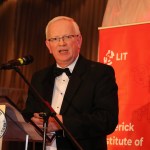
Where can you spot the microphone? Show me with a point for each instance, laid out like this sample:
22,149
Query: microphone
17,62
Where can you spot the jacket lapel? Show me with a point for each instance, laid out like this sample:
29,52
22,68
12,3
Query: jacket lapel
74,83
48,84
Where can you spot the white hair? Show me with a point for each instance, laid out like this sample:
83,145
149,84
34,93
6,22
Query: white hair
77,30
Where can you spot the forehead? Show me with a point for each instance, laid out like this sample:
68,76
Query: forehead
61,27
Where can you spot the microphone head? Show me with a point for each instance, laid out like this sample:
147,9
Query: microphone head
26,60
17,62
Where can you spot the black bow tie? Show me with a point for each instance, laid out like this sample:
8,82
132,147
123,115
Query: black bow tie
59,71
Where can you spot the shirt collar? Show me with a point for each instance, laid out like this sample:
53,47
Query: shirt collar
71,66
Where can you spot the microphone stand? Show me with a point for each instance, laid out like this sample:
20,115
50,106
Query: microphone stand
45,131
45,125
52,112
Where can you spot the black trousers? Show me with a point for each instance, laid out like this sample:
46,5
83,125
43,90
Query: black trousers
64,143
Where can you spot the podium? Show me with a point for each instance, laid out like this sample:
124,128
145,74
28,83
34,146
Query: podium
18,134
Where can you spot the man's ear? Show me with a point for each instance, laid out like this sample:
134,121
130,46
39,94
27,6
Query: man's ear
79,41
48,46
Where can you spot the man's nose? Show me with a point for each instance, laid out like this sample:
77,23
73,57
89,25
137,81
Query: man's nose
62,41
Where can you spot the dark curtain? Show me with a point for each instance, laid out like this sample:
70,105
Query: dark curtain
22,32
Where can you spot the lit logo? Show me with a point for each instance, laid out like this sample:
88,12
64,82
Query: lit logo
110,56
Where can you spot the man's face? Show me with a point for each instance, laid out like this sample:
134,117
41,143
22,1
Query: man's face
66,49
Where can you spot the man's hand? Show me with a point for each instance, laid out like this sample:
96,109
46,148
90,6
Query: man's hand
52,124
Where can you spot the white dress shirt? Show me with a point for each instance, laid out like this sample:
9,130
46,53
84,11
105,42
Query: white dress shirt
60,86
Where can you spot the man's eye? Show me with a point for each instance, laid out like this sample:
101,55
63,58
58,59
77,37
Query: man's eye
55,39
68,36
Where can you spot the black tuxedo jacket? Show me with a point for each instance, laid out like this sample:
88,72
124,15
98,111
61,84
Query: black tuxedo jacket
90,104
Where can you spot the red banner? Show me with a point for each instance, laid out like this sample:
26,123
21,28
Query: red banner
127,49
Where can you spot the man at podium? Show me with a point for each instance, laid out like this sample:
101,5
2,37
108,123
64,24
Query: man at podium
83,93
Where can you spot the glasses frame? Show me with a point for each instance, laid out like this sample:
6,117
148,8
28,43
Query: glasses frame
64,38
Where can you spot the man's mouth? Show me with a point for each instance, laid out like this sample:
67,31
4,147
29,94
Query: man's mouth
63,51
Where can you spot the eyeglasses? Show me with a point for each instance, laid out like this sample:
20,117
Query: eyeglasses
65,38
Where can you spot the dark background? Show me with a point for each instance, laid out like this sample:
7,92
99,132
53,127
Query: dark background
22,32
